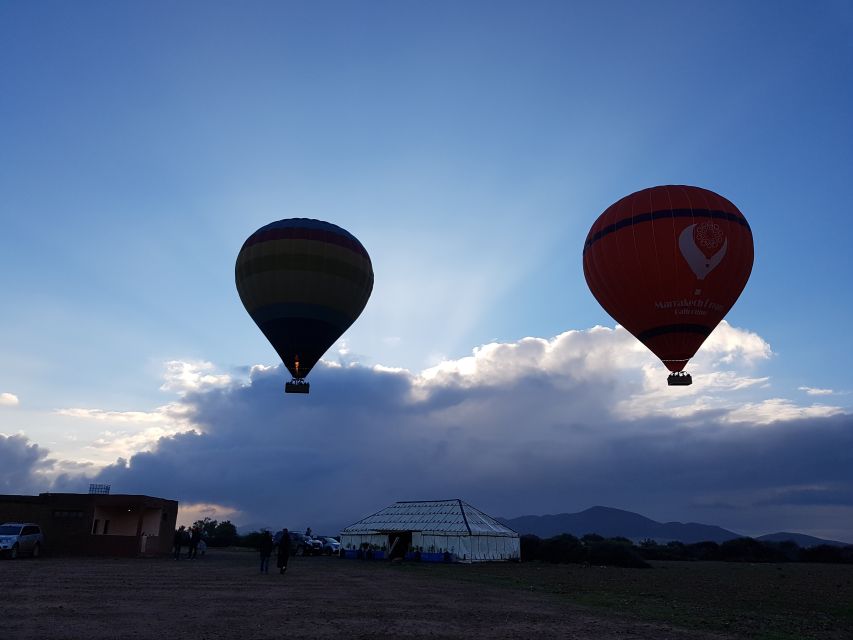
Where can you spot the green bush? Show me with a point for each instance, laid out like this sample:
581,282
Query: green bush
615,553
563,548
750,550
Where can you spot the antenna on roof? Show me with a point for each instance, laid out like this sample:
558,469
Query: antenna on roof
99,489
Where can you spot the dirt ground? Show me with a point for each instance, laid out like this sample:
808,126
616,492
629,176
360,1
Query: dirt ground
223,595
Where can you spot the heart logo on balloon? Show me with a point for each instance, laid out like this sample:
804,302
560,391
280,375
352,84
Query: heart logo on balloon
703,247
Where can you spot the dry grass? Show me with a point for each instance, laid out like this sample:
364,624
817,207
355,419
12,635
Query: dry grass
762,601
223,596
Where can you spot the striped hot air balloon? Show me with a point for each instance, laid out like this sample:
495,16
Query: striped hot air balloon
303,282
668,263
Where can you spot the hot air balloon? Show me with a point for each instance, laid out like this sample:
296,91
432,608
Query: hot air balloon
667,263
303,282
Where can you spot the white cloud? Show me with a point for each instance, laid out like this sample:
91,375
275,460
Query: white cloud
189,512
8,400
130,432
119,444
258,369
134,417
812,391
125,433
184,377
342,347
615,364
779,410
730,345
575,354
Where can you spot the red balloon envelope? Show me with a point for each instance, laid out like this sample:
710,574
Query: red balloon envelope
668,263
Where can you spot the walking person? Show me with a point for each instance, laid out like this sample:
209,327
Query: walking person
185,537
266,551
283,551
195,536
178,541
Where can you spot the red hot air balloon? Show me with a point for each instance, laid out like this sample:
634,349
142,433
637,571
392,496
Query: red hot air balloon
668,263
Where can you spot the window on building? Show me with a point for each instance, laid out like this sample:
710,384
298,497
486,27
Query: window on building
95,527
106,527
67,514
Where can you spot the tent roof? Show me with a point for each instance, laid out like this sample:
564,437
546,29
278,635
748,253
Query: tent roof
453,517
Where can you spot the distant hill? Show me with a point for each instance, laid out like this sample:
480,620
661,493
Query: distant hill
800,538
609,522
246,529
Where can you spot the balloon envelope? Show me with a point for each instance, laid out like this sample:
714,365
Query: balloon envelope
303,282
668,263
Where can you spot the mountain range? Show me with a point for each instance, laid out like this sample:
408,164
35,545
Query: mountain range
610,523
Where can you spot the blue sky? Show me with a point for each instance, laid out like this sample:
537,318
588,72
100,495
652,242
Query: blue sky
469,146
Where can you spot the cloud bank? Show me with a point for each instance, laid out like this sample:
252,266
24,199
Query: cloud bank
22,464
531,427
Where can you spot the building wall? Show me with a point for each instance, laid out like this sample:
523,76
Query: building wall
466,548
470,548
116,521
355,541
151,519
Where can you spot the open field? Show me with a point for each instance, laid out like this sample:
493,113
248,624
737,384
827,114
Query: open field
223,596
761,601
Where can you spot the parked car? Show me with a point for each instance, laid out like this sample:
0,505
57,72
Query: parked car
300,544
331,546
21,537
314,546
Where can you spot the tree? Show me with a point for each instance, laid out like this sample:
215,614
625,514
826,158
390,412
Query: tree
531,547
225,534
217,534
207,527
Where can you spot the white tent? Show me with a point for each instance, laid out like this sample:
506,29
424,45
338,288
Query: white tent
435,526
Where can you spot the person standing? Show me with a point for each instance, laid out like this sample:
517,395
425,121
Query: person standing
266,551
283,551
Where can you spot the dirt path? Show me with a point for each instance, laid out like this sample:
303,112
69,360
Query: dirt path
223,596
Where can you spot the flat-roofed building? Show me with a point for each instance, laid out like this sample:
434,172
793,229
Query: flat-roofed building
97,524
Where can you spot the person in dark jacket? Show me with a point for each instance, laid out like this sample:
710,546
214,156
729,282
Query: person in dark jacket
283,551
178,541
195,536
266,551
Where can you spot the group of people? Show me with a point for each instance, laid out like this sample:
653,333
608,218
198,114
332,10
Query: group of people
190,538
266,548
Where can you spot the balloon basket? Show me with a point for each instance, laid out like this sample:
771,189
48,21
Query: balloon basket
679,379
296,386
